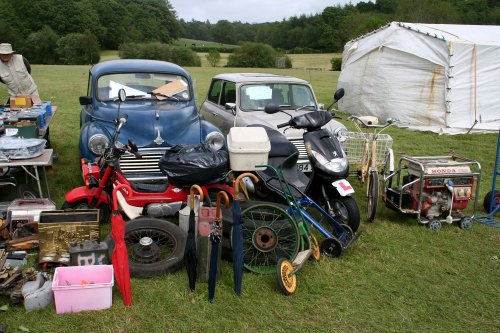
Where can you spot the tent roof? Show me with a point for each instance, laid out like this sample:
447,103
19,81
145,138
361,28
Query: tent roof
480,34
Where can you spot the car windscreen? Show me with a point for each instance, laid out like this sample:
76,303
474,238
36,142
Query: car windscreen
157,86
257,96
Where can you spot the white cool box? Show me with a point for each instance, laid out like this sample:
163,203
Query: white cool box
248,147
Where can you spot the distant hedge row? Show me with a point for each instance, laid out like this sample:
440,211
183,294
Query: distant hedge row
179,55
220,49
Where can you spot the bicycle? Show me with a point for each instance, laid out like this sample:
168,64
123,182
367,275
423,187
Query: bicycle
370,149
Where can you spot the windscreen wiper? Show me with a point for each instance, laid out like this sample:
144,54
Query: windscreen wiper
169,97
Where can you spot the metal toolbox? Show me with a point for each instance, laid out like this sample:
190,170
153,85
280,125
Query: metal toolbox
59,229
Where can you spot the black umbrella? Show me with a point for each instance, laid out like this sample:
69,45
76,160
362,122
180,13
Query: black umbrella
215,237
190,259
237,237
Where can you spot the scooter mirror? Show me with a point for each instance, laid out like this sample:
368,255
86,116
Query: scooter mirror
339,94
272,108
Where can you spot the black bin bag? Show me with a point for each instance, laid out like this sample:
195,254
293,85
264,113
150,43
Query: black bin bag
186,164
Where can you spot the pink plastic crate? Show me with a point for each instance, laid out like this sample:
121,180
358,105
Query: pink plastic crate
83,288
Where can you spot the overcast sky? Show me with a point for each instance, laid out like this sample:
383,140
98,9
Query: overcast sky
251,11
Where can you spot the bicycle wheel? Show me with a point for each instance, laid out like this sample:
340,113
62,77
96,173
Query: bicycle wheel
372,196
269,234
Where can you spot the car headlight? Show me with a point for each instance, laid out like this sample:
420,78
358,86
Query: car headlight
97,143
215,140
341,134
335,164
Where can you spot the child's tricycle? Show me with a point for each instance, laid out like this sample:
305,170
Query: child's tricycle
436,189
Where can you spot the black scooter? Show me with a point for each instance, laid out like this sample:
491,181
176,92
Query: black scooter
327,184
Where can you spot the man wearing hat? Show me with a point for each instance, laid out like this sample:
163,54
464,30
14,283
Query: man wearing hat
15,72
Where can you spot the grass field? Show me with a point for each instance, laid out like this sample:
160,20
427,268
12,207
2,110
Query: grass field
398,276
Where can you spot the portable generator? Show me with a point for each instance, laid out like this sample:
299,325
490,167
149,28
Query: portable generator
437,189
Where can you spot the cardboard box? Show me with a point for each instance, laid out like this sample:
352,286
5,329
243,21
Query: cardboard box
24,101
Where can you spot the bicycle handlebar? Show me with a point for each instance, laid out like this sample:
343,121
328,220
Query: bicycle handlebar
390,121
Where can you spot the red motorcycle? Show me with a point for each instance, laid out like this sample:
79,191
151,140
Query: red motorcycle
155,245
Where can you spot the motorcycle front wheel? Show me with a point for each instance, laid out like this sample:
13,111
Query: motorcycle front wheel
154,246
344,210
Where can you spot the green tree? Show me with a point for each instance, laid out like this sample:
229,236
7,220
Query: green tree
213,57
42,46
78,49
253,55
223,32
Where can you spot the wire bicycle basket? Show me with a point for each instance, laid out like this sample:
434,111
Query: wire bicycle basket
354,146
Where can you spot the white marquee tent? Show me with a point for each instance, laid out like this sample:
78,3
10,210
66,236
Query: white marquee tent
434,77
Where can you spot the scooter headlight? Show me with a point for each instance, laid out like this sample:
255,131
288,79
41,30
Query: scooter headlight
215,140
341,134
97,143
339,164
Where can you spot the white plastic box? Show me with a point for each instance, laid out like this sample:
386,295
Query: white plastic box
248,147
83,288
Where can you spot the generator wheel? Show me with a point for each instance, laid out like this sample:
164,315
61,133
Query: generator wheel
286,280
466,222
434,225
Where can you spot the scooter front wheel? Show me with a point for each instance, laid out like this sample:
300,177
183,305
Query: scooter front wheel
104,211
286,279
344,210
154,246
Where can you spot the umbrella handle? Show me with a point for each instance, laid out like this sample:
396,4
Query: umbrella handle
191,194
252,176
226,198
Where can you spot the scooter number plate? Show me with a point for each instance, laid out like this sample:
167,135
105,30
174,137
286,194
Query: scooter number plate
304,167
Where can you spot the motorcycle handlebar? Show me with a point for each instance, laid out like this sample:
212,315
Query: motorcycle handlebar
282,125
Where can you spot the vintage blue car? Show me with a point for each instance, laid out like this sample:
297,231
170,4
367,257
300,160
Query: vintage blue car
161,113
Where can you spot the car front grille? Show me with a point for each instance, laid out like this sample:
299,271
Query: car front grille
299,144
145,168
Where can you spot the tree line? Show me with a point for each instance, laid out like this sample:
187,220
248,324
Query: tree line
61,31
330,30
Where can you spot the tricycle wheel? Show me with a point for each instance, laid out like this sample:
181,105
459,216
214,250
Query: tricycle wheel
487,201
286,279
466,222
434,225
83,204
316,251
331,247
372,196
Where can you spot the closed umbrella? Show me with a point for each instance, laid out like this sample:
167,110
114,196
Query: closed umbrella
120,255
237,235
190,259
215,237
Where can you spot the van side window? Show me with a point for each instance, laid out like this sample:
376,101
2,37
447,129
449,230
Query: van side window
215,89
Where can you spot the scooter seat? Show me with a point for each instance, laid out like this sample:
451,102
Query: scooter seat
149,187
